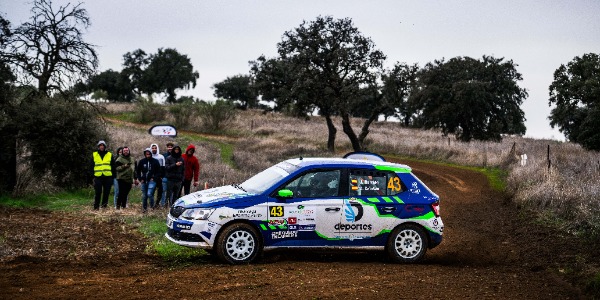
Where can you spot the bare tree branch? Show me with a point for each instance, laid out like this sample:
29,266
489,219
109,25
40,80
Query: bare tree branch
50,48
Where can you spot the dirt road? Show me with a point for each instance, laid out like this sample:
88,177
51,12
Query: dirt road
490,250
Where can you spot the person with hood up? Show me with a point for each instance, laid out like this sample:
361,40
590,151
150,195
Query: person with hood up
147,174
174,168
161,180
125,167
103,165
192,169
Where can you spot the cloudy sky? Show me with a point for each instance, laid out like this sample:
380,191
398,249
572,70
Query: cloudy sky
220,37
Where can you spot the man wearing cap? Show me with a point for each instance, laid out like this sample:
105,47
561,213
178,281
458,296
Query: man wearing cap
103,169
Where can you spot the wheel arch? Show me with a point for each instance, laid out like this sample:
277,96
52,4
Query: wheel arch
410,223
240,221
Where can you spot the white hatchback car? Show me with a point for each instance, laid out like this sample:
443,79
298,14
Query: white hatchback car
356,202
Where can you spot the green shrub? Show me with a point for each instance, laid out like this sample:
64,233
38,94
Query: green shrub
57,136
147,112
182,114
216,116
593,286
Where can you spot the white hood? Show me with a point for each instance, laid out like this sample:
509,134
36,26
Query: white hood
158,156
219,193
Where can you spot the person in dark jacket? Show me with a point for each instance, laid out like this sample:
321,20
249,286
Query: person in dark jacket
103,165
192,169
147,174
174,168
162,188
161,180
125,166
115,183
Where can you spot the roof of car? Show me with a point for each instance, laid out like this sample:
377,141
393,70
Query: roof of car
334,161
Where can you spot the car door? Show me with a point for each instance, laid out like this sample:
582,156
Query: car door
311,214
372,205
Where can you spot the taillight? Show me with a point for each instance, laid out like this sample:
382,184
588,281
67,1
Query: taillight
436,208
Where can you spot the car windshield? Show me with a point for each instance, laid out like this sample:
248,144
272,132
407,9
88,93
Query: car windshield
262,181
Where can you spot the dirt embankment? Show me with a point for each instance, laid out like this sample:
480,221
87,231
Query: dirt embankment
490,250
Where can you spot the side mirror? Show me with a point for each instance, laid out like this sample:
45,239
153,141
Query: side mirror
285,194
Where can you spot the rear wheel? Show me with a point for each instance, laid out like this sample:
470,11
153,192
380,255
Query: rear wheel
407,244
237,244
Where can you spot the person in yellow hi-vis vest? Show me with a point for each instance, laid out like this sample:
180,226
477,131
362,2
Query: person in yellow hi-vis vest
104,167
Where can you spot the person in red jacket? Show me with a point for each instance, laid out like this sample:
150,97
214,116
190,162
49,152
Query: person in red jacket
192,169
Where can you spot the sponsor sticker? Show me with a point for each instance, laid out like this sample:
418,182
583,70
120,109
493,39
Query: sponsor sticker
182,226
277,222
355,228
247,216
284,234
308,227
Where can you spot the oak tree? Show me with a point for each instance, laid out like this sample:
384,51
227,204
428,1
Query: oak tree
575,94
330,59
473,99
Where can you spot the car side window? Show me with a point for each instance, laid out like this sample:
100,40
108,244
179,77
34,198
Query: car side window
374,183
316,184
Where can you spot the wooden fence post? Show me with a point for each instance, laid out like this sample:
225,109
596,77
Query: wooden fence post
485,157
549,161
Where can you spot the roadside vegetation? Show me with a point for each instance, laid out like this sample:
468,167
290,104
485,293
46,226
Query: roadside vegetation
563,192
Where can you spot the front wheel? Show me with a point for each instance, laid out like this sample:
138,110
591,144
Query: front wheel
407,244
237,244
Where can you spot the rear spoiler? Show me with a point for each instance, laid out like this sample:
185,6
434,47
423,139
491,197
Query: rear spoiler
364,156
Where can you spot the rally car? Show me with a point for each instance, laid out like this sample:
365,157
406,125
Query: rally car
356,202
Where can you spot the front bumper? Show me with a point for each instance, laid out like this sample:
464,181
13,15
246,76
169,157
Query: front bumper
186,233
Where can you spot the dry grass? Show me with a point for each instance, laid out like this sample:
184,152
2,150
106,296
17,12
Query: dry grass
118,108
568,190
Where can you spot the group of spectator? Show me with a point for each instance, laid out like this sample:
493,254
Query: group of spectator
166,174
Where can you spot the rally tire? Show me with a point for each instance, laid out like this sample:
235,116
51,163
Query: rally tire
407,244
238,244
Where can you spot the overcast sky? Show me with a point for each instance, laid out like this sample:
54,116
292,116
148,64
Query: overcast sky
220,37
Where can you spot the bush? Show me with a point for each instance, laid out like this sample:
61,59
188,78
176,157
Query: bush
215,116
182,114
57,136
147,112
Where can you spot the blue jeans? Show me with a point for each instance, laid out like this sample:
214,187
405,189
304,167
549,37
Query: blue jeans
163,197
148,192
116,190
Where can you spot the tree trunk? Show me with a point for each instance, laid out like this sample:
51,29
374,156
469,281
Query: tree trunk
331,137
8,160
365,130
356,145
171,98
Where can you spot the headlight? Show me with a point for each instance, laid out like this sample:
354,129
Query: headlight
197,213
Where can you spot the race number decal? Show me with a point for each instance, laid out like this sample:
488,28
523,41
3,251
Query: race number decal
394,184
276,211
